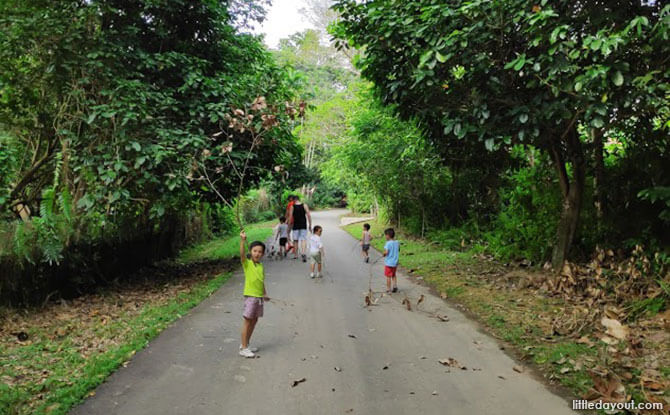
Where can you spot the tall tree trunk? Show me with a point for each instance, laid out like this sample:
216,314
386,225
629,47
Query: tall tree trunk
599,173
572,192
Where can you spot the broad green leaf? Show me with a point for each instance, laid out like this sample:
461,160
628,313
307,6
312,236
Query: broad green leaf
597,122
424,58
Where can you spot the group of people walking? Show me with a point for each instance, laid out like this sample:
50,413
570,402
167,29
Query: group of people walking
292,234
293,229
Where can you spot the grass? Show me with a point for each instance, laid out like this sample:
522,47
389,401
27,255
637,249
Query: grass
71,350
226,247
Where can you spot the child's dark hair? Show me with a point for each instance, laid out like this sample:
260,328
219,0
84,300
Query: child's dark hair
255,244
366,226
316,229
390,232
282,219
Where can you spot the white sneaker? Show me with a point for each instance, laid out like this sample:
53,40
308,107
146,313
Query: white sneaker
319,275
253,349
247,353
311,275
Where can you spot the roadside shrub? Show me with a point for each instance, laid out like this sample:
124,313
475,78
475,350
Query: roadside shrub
526,224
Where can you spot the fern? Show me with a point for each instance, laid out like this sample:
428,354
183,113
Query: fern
47,204
65,200
22,244
57,169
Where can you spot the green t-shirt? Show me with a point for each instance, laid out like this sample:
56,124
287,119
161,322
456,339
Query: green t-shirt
254,278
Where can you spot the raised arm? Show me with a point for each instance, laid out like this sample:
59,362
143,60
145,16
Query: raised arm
243,240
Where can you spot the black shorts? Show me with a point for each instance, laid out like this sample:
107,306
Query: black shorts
283,241
366,247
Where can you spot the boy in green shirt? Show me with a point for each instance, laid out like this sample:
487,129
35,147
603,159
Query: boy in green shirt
254,291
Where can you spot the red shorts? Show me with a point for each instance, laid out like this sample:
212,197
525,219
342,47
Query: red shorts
389,271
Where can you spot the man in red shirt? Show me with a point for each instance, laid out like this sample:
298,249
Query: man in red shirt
289,222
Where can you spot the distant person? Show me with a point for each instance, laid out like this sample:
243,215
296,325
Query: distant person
282,235
289,218
365,242
301,218
391,256
254,291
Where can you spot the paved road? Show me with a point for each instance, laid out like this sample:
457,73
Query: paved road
390,366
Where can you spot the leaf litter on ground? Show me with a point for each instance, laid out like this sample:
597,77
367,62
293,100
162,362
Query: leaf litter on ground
87,327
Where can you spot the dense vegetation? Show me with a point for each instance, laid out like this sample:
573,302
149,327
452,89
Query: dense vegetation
534,132
541,129
110,114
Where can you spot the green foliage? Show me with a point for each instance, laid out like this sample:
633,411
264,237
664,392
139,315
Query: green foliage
225,247
391,160
490,75
658,194
100,124
526,224
325,196
256,205
104,108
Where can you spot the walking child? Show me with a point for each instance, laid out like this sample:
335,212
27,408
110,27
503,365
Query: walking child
316,252
254,291
282,235
391,256
365,242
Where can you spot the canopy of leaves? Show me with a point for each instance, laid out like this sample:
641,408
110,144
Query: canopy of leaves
110,102
492,74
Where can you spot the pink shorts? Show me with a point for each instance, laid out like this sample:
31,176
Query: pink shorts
389,271
253,307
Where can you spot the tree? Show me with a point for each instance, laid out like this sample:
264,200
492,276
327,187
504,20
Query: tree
500,73
107,102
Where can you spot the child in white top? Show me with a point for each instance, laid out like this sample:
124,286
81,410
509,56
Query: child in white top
315,251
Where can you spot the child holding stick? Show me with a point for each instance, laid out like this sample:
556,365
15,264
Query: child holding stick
391,256
254,291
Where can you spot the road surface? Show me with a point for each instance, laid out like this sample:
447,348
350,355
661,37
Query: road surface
377,360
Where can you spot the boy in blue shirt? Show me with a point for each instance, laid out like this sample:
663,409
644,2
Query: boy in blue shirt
391,255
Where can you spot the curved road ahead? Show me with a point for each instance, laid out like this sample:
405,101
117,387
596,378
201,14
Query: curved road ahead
381,360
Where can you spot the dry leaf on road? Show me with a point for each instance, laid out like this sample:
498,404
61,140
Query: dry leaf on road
451,362
297,382
420,300
442,318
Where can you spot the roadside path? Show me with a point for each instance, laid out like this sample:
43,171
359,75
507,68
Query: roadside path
377,360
